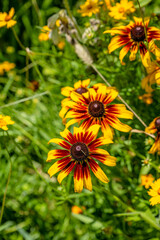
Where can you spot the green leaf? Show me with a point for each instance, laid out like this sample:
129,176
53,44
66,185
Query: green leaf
143,3
83,218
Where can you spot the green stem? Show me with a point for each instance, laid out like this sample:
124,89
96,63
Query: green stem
5,192
18,40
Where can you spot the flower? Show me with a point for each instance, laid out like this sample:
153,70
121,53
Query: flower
79,151
132,37
4,121
6,19
146,180
61,45
120,10
153,76
77,210
146,98
6,66
94,108
154,127
89,7
154,192
44,36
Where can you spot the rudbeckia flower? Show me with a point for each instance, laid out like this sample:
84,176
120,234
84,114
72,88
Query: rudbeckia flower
154,127
89,7
93,107
121,10
6,19
44,36
147,180
4,121
154,192
79,152
132,37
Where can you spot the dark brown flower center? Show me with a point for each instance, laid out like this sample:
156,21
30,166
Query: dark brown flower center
158,191
96,109
79,151
157,124
137,33
81,90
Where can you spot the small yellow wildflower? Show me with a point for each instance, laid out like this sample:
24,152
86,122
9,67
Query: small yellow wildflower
121,10
6,66
77,210
61,45
89,7
146,98
4,121
147,180
6,19
154,192
44,36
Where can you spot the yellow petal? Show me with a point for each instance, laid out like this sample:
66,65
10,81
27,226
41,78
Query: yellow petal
65,172
63,111
78,178
53,169
66,91
87,177
71,122
85,83
11,12
11,23
78,84
98,172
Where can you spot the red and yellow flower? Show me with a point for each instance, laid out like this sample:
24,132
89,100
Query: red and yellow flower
79,152
154,192
6,19
132,37
93,107
154,127
147,180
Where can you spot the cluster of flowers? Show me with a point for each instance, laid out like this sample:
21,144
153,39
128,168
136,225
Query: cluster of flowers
91,107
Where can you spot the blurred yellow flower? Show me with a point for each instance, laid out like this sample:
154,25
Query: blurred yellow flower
146,98
6,66
121,10
89,7
154,127
44,36
6,19
147,180
77,210
153,77
61,45
154,192
4,121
